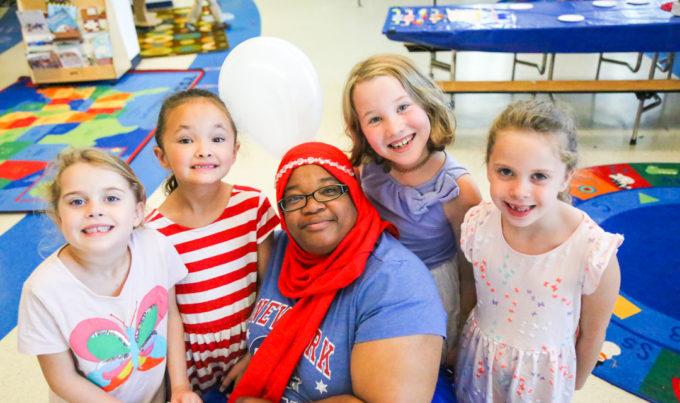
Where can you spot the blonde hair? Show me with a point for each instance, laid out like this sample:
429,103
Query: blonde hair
420,88
544,117
92,156
172,102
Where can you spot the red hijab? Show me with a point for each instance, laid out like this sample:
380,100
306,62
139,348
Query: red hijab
312,280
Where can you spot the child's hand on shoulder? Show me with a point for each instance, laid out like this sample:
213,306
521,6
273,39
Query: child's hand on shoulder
183,394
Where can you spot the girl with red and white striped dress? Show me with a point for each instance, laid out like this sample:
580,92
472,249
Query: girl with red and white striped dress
222,232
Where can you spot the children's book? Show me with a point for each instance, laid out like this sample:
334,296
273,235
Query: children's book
102,48
93,19
70,57
34,27
62,24
43,60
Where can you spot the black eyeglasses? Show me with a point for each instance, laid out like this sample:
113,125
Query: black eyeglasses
322,195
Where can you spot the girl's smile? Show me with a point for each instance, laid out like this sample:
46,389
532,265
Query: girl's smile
93,230
204,166
519,211
400,144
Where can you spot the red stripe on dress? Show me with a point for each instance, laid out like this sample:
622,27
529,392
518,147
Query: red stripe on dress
224,323
243,188
216,238
215,372
248,204
201,348
230,211
223,258
218,303
215,369
267,227
216,282
264,207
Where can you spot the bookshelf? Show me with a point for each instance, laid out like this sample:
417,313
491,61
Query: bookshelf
119,28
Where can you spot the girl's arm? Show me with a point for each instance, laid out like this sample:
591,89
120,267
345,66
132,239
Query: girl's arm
60,372
455,210
177,362
596,310
264,249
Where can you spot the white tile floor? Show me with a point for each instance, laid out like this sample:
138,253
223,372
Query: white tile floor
335,35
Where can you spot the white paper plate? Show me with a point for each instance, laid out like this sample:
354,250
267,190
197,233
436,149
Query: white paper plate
637,1
520,6
604,3
571,17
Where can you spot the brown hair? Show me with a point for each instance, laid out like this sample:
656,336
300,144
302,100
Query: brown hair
421,89
542,117
172,102
93,156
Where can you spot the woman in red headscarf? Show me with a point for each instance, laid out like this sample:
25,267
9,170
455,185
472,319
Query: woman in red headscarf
345,311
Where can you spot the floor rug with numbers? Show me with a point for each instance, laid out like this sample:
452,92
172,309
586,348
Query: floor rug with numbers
172,37
37,122
641,353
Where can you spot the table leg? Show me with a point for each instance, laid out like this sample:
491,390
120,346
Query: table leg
642,108
633,69
541,68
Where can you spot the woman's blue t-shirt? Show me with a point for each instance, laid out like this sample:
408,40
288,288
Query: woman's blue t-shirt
394,296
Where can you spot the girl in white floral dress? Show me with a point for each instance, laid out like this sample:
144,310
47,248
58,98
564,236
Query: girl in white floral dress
546,275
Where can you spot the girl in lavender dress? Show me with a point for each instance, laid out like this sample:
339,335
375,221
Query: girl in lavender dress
400,123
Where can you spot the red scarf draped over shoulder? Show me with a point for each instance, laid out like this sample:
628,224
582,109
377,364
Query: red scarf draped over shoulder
312,280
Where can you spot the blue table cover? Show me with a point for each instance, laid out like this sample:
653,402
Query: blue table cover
497,27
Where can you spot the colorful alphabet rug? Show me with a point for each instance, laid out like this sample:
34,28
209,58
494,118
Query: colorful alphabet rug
172,37
36,123
641,353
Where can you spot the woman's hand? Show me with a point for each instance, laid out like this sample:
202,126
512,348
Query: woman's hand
235,373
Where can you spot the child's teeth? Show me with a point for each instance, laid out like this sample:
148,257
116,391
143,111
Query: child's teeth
97,229
403,142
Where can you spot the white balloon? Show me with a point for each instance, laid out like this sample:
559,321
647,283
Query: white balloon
272,92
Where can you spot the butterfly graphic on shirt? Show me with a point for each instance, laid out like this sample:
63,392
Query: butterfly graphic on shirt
120,351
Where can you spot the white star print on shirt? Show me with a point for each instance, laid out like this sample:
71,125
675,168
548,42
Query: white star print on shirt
321,387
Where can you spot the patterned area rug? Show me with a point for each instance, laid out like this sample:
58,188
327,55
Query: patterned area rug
172,37
641,353
36,123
